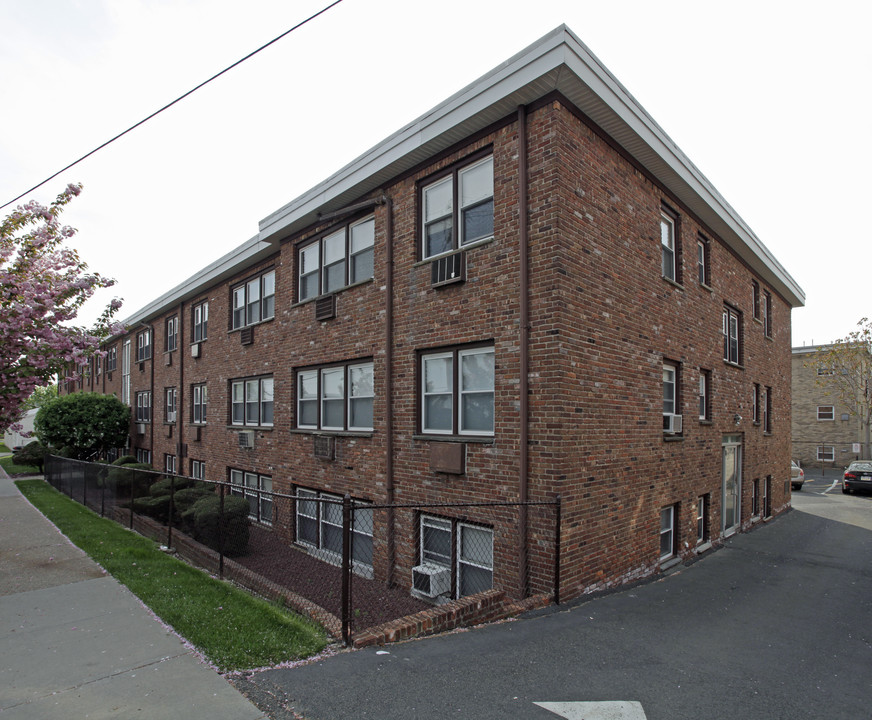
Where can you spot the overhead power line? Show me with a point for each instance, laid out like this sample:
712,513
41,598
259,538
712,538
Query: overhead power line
170,104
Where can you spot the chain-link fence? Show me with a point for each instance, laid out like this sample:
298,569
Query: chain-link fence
381,572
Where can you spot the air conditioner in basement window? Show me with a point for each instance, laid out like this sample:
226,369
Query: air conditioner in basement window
671,424
246,438
431,580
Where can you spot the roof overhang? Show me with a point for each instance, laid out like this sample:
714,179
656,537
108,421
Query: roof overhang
558,62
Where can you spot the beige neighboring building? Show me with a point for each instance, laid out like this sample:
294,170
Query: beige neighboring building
824,431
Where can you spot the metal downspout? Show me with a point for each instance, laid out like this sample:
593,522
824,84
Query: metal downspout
389,383
523,388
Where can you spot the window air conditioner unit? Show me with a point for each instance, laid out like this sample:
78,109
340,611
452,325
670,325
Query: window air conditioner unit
195,350
448,269
246,438
168,358
140,428
672,424
431,580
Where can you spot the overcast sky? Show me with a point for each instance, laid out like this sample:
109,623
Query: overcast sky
770,100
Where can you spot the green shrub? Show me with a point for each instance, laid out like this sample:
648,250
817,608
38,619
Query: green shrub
122,478
204,515
155,507
124,460
31,454
165,485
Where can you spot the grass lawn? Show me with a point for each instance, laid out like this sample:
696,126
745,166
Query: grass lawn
233,630
12,469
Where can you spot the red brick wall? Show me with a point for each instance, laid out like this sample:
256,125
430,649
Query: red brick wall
602,322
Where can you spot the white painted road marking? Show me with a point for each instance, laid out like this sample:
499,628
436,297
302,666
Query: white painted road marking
609,710
831,487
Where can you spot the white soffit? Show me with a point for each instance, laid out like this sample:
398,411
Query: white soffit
561,62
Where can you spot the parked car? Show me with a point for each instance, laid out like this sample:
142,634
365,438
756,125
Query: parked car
797,475
858,476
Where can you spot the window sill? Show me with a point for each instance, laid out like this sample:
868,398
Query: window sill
300,303
669,563
734,365
704,286
673,438
674,284
471,246
456,438
256,428
705,421
703,547
334,433
759,321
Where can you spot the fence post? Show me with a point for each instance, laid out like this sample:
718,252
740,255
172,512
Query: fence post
132,483
85,486
221,533
557,530
346,569
104,481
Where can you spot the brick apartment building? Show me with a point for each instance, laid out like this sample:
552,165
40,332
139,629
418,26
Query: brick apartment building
826,432
528,291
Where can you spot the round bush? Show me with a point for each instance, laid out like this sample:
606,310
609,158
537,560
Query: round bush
205,514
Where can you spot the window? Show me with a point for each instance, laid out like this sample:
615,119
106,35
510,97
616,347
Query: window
767,497
702,531
755,298
342,258
826,453
142,413
732,322
705,381
671,403
756,404
170,463
98,365
755,497
824,370
143,346
457,392
254,300
198,469
172,333
766,406
252,401
826,412
257,489
474,551
668,245
323,403
143,456
667,533
200,322
458,209
125,372
199,399
767,314
171,398
319,526
112,359
702,260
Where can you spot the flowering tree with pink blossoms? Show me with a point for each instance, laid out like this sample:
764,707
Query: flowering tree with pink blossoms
43,285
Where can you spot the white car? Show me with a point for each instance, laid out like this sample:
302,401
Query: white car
797,475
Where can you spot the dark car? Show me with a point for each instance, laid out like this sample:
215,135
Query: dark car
858,476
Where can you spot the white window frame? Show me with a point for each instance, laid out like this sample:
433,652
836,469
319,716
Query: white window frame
353,242
704,395
361,528
172,333
143,456
351,395
826,453
670,389
464,562
143,406
199,403
143,346
822,413
456,392
111,363
125,372
170,463
667,532
255,294
198,469
701,519
456,208
429,524
668,246
732,336
171,396
247,393
200,322
455,529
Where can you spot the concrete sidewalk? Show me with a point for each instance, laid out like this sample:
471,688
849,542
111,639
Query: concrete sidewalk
75,643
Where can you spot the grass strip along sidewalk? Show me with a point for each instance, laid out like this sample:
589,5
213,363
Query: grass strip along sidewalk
232,629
